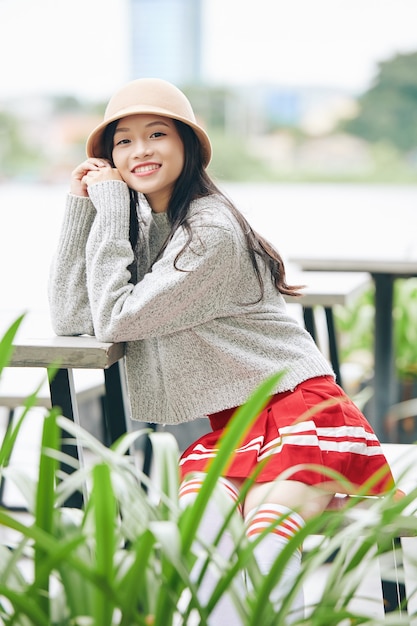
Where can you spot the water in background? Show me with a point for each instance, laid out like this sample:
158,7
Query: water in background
296,218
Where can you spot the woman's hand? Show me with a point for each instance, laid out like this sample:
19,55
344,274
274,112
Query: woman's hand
89,172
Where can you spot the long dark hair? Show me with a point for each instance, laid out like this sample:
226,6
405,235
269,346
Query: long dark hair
193,183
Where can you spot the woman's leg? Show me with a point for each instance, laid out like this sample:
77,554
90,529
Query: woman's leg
283,506
306,500
215,513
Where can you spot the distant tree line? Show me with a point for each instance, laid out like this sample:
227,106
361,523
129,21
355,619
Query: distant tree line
388,110
387,115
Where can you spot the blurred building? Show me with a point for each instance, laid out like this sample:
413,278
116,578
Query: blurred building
167,40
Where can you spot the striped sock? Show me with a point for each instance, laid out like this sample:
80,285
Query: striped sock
190,488
268,516
220,504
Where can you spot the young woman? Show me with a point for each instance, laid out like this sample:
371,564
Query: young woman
153,254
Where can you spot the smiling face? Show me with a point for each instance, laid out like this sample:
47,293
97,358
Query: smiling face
149,155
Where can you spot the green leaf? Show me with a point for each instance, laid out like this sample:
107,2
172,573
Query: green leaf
104,505
45,500
165,463
25,605
132,586
6,343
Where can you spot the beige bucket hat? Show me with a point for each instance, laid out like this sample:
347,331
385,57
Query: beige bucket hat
152,96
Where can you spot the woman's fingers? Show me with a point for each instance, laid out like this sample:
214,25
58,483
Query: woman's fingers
100,174
79,176
89,172
88,166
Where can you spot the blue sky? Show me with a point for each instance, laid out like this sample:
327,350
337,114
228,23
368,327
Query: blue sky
82,46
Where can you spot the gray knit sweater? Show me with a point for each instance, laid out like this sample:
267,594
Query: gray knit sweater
197,340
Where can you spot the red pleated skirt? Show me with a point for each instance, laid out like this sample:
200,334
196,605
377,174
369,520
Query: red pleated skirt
297,434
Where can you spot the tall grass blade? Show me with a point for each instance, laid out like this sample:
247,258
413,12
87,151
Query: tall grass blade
104,507
165,455
133,586
6,342
45,501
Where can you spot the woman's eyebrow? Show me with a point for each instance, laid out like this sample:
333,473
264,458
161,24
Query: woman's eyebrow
126,129
157,123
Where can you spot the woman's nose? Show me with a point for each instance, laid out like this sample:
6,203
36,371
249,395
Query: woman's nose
142,148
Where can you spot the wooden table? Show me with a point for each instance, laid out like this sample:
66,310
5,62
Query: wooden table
77,353
384,271
69,353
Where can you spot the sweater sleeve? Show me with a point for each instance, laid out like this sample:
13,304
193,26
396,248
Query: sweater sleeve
67,287
167,299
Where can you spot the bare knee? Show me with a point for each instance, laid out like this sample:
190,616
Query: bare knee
304,499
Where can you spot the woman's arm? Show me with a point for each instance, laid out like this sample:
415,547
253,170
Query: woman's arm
166,300
67,287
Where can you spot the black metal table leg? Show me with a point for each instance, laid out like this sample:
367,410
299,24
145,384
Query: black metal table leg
383,353
63,395
114,403
333,348
309,322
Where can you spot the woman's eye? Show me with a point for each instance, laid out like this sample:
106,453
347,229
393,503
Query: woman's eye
121,142
158,134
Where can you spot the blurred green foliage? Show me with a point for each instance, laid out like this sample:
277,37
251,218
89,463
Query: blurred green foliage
232,160
355,326
405,327
388,110
17,152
